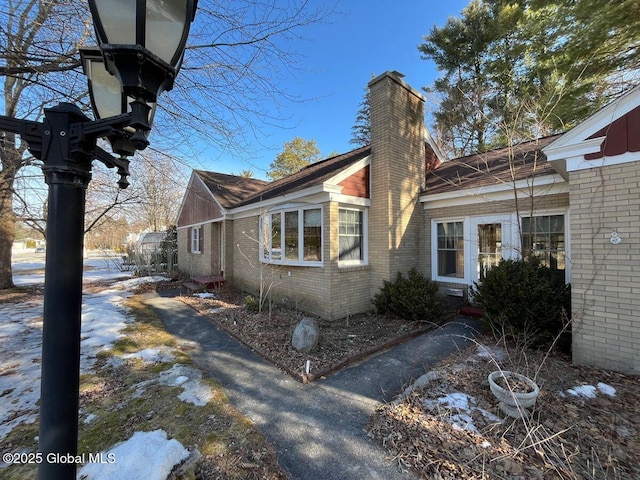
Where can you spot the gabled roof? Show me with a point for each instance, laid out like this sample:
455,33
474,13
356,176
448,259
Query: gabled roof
311,175
609,132
232,191
229,190
491,168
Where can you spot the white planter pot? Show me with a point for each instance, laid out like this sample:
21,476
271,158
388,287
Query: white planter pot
513,403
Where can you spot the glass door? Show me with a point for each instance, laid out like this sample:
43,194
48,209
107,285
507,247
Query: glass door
489,251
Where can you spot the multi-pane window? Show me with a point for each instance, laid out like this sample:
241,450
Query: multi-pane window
196,239
350,235
489,247
451,249
312,235
292,236
543,236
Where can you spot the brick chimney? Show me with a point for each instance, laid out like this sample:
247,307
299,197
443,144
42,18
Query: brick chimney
397,177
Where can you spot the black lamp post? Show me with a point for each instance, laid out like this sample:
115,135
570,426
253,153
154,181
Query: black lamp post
141,43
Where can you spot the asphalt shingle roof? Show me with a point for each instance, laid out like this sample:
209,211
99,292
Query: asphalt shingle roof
230,189
233,191
491,168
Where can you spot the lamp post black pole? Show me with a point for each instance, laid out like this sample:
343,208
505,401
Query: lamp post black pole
67,171
65,142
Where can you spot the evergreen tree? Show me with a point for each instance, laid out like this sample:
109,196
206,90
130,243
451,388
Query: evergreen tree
517,70
297,154
361,130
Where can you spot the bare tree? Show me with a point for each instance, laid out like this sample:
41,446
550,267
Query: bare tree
229,84
159,183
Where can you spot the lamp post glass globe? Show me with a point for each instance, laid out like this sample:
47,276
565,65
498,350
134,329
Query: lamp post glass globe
160,26
107,97
142,43
108,100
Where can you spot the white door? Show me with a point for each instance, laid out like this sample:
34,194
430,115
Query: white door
490,242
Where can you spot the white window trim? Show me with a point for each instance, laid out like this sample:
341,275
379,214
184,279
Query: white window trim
465,250
365,238
512,251
265,244
195,239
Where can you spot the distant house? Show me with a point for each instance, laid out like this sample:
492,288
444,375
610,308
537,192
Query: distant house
145,251
328,236
150,245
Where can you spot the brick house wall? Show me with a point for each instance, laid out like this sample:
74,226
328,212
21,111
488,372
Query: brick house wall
300,287
397,177
605,278
329,291
601,159
206,262
539,205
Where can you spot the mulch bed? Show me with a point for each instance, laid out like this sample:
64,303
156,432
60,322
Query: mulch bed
566,436
342,342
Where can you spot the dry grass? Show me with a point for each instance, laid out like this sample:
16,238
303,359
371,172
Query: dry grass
224,444
564,437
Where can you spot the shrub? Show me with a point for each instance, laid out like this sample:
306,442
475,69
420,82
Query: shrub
413,298
252,304
526,300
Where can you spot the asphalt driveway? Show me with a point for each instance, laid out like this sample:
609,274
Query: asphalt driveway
318,429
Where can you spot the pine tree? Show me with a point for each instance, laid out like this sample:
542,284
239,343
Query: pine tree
361,130
297,154
516,71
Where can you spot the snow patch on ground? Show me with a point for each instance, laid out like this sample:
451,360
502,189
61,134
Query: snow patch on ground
103,318
606,389
489,352
589,391
194,391
459,408
132,283
204,295
152,355
148,455
216,310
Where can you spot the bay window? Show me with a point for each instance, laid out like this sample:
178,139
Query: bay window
292,236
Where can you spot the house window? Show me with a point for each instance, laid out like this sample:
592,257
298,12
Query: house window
196,239
450,249
312,235
351,236
276,237
292,236
543,236
489,248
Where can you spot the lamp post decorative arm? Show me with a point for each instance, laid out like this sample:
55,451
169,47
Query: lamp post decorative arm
65,141
77,136
121,77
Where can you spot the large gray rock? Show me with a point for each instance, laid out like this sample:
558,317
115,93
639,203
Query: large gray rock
306,334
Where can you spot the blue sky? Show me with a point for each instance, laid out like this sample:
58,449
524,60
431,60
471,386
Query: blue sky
365,37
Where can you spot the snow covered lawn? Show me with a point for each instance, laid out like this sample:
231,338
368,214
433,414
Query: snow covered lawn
137,397
103,319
